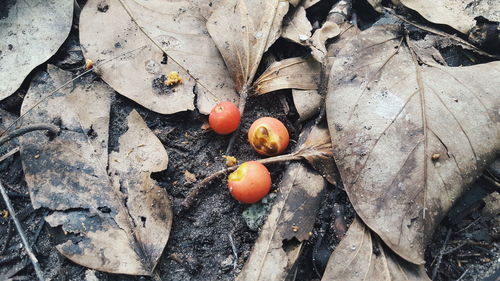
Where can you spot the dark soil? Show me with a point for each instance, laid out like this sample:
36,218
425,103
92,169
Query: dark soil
465,246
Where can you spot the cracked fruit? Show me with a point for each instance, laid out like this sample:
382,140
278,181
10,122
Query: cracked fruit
268,136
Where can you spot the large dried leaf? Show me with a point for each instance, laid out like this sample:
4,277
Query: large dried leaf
457,14
292,73
243,30
114,216
29,39
292,217
361,256
408,137
157,37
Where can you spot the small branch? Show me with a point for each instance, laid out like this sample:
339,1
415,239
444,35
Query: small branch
29,128
193,194
9,154
20,230
235,252
440,256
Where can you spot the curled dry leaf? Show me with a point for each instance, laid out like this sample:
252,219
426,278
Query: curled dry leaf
29,39
152,39
457,14
361,256
243,30
292,73
297,28
292,216
388,114
318,40
317,150
115,218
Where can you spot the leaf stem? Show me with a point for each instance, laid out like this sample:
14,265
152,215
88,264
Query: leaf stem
29,128
193,194
20,230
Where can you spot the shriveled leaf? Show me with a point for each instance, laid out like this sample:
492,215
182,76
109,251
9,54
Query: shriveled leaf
318,39
298,28
355,259
152,39
457,14
307,103
243,30
29,39
292,217
317,150
292,73
389,117
114,216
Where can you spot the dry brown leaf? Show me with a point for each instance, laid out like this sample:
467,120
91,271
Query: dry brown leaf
29,39
145,34
298,28
115,218
457,14
295,73
318,40
292,216
307,103
243,30
309,3
317,150
388,114
355,259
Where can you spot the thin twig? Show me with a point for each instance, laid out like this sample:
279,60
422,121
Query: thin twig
8,154
7,238
97,65
29,128
463,274
235,252
193,194
20,230
440,256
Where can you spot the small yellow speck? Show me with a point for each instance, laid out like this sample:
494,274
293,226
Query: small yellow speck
89,64
141,145
230,160
37,156
173,78
4,213
435,156
295,228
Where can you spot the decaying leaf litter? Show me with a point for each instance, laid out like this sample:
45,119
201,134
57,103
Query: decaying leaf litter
177,142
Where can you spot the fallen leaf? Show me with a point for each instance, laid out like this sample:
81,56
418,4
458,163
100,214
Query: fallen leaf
457,14
361,256
291,219
317,150
309,3
387,114
292,73
29,39
243,30
150,40
297,28
318,40
115,218
307,103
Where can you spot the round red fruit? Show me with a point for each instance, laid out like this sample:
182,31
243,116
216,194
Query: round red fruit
224,118
268,136
250,182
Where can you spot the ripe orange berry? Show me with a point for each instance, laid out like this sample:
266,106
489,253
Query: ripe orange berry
250,182
268,136
224,118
